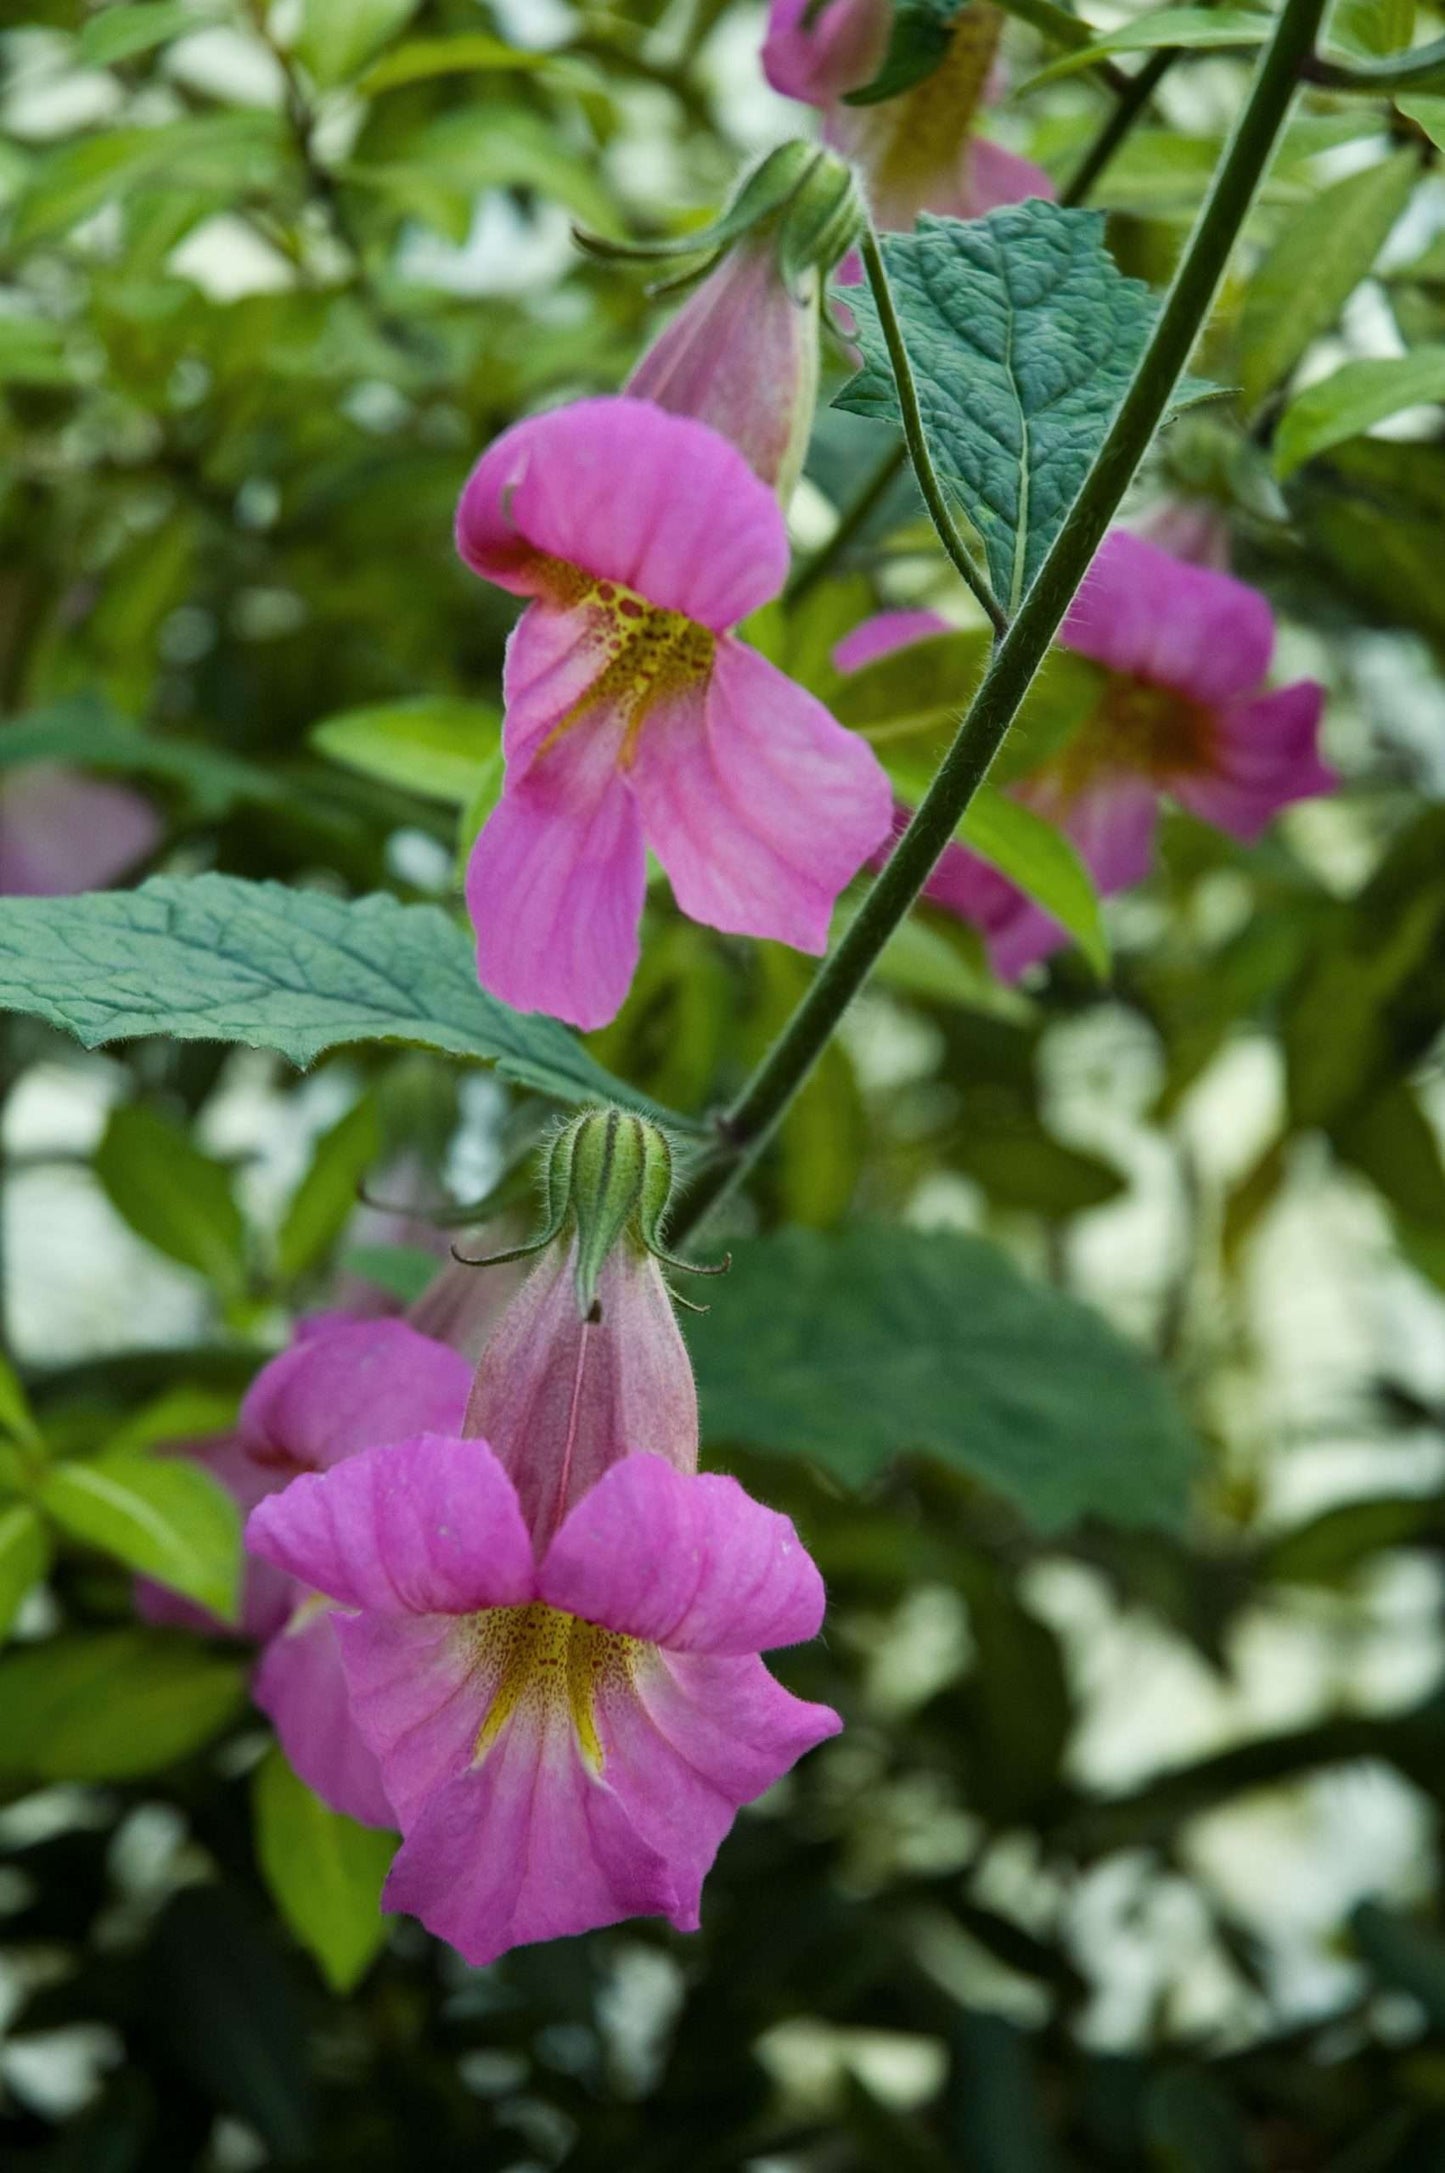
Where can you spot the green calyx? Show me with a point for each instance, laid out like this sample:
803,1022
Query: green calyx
803,198
607,1181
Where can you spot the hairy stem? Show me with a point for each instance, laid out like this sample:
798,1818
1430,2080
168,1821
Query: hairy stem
746,1125
915,437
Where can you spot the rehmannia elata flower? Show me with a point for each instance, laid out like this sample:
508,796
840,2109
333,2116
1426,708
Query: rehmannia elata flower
61,833
917,150
635,716
1182,713
553,1647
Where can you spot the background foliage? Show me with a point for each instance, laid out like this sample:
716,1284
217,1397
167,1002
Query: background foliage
1127,1855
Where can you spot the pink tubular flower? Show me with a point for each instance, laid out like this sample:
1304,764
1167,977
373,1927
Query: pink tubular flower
341,1387
1181,713
553,1646
566,1732
635,717
61,833
917,150
742,356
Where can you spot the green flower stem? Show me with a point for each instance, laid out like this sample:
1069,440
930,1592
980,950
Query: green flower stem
747,1124
853,517
915,437
1420,70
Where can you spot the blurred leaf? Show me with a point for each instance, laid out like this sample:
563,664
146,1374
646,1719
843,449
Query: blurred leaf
1189,30
1393,1143
1322,254
163,1516
1355,398
1409,1957
1427,113
1193,2127
121,33
911,702
1020,1164
468,52
1370,511
325,1872
324,1200
920,36
234,151
174,1196
33,351
24,1558
435,747
1023,337
16,1418
854,1347
440,169
1372,26
82,729
992,2108
402,1270
232,2020
213,958
111,1705
1041,861
338,37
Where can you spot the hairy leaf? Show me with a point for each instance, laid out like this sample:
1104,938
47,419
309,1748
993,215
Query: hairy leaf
855,1347
1023,335
214,958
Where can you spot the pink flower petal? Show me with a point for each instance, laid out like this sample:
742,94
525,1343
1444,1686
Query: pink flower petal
683,1560
817,53
657,502
61,832
1143,613
418,1699
300,1686
561,1400
694,1737
883,633
556,881
352,1385
1265,758
992,176
762,807
428,1526
529,1845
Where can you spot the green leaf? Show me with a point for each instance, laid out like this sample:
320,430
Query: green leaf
81,729
213,958
110,1705
325,1872
24,1559
1426,112
403,1270
438,171
161,1515
1188,29
120,33
434,747
1351,401
16,1418
1023,335
918,42
1321,256
910,702
853,1348
1407,1956
33,352
237,152
1042,862
338,37
172,1195
469,52
323,1201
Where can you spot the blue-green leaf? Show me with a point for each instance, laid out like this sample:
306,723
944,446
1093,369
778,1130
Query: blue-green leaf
1023,335
213,958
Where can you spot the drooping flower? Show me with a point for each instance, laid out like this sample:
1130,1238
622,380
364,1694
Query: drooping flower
634,715
918,150
553,1647
61,833
341,1387
1182,713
